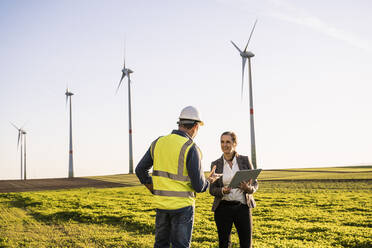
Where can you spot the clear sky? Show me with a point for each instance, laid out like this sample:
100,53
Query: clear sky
312,80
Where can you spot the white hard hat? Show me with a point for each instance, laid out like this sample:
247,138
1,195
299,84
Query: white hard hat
191,113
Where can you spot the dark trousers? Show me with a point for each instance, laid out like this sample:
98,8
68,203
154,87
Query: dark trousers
228,213
174,228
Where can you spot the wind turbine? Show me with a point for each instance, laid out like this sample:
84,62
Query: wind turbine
247,55
126,72
21,135
69,94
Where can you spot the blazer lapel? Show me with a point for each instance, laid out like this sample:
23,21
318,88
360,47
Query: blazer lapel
240,162
243,165
219,166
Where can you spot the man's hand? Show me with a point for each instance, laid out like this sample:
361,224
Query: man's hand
246,187
150,187
212,177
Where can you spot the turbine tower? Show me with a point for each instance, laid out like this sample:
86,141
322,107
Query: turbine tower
126,72
247,55
24,154
22,141
69,94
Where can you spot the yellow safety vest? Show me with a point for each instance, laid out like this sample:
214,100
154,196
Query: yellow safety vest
172,185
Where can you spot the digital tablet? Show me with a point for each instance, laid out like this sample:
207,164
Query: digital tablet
243,175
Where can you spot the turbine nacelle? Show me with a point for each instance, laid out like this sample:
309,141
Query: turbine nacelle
126,71
68,93
247,54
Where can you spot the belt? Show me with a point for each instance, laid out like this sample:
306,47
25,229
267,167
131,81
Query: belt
234,203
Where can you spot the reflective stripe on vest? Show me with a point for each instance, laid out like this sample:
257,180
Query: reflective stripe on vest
174,193
153,147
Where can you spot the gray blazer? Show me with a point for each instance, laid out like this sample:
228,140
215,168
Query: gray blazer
215,188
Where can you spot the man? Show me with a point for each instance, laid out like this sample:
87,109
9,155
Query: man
177,175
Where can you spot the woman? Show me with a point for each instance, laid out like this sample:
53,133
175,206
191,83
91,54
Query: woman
232,205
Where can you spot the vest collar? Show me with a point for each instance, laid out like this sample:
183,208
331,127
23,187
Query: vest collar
182,133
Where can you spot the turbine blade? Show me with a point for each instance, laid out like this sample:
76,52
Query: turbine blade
122,77
19,136
66,93
236,46
14,126
244,60
124,51
24,124
250,36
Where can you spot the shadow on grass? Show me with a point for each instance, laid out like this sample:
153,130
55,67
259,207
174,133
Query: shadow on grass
7,186
22,202
354,243
367,224
126,222
83,215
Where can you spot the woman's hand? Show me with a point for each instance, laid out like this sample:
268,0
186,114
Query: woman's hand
246,187
226,190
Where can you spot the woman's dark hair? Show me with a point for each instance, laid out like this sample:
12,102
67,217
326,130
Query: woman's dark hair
232,135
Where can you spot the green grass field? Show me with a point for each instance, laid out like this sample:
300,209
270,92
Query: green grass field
335,210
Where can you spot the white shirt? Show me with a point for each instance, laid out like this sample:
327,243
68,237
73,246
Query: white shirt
228,173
